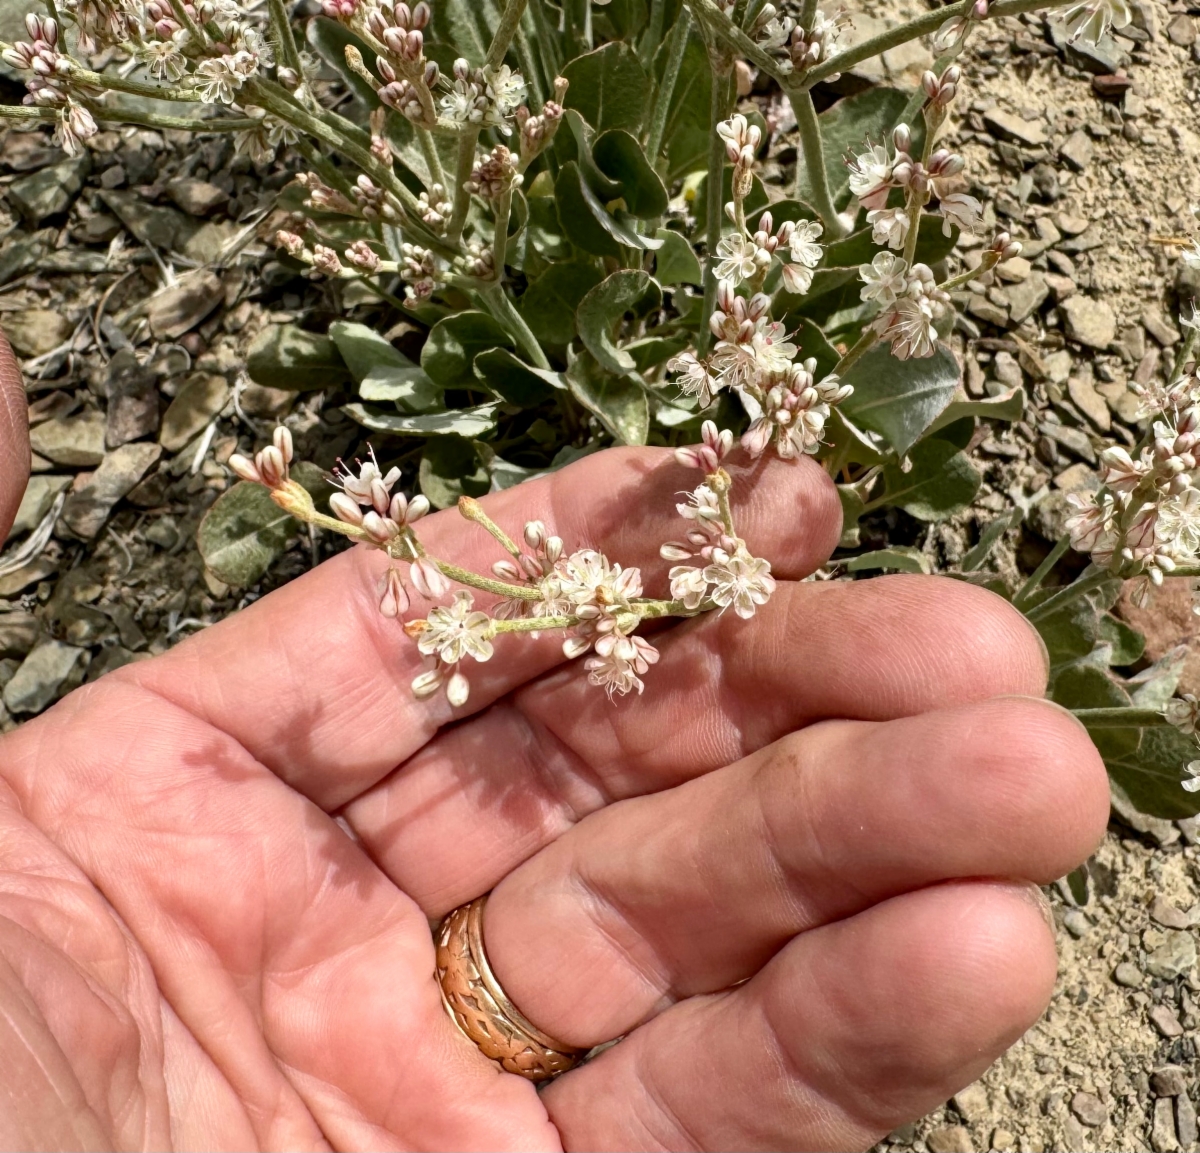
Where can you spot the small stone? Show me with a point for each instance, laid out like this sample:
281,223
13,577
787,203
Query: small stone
113,176
1006,370
1089,322
1112,84
1003,1140
1162,1128
949,1139
1026,298
51,191
1077,478
36,331
1089,1109
979,306
1071,225
77,441
972,1103
1074,1136
1167,915
1185,1121
39,496
196,197
1046,230
903,1134
202,396
1093,237
44,676
159,226
1174,957
1061,287
1077,150
99,228
175,310
1074,440
1076,923
1127,975
1083,392
132,394
1158,327
1164,1020
86,510
1182,31
164,532
1014,269
30,574
18,634
258,400
1058,366
1006,126
207,243
1169,1081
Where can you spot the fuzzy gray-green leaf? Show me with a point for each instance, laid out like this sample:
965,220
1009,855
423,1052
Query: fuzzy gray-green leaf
600,313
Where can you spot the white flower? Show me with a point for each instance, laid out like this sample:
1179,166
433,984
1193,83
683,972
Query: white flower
75,125
1178,525
885,278
620,663
1092,524
164,59
588,577
871,176
1189,317
805,249
742,258
702,507
506,89
740,580
797,279
908,324
456,631
1091,20
889,226
1193,767
961,209
1121,472
1184,713
218,78
696,378
688,585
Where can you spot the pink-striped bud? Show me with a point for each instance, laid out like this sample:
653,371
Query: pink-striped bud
244,467
427,579
507,571
394,600
346,509
271,467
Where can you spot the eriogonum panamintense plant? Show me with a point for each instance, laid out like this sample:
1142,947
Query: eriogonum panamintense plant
540,190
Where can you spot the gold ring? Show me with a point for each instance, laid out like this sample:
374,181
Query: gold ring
481,1009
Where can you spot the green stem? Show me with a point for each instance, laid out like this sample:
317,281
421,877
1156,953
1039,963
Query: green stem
719,108
923,25
462,174
808,13
712,18
181,14
496,300
148,119
532,624
80,75
500,236
1120,718
1186,352
472,510
863,345
288,54
429,150
332,176
676,49
531,69
814,163
547,39
1042,572
1085,584
476,581
652,36
506,30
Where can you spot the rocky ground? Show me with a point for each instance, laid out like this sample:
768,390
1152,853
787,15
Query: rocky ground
134,278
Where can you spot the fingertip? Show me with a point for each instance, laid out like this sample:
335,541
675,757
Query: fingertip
14,438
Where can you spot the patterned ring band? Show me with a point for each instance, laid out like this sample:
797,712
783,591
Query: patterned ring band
481,1009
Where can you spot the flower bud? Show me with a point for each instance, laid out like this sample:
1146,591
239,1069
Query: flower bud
271,467
244,467
345,508
902,138
394,601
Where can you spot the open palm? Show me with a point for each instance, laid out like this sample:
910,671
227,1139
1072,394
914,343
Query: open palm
794,876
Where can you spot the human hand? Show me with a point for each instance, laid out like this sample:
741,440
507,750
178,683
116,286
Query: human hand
841,803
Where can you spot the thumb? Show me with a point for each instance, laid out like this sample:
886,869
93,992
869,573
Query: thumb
14,438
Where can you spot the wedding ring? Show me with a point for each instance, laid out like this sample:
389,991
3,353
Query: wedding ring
481,1009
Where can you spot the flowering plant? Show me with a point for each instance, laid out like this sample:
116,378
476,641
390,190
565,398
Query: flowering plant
530,185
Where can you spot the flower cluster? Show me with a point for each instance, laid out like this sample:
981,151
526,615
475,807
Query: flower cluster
483,97
911,304
1145,522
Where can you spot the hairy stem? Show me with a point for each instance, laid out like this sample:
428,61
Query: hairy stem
719,108
717,23
814,163
462,174
652,34
1087,583
532,625
129,116
505,32
1187,350
485,584
500,237
496,300
863,345
472,510
80,75
1120,718
1042,572
429,150
547,39
676,48
289,57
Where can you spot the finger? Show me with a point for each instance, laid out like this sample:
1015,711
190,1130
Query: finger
14,438
694,889
526,771
851,1030
317,685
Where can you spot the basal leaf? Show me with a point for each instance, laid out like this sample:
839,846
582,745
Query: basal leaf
363,349
977,556
900,399
685,140
619,402
515,381
1008,406
676,261
620,157
245,530
410,389
466,422
609,87
940,482
1152,775
284,356
899,558
600,313
450,468
450,350
549,303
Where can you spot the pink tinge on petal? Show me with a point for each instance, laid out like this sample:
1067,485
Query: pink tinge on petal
427,579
